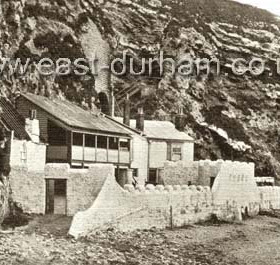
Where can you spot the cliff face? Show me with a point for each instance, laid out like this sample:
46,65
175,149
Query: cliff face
4,200
230,116
4,182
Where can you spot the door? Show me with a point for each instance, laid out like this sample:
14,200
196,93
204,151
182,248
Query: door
56,196
49,196
121,176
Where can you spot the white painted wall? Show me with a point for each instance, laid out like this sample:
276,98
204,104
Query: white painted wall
28,154
158,154
188,151
140,157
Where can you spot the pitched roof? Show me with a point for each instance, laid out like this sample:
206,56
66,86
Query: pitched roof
12,120
74,116
163,130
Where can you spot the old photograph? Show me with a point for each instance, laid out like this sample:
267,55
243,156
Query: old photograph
139,132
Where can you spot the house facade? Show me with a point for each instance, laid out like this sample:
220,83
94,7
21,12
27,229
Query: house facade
76,136
56,146
154,143
81,138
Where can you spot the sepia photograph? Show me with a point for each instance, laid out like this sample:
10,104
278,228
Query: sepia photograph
139,132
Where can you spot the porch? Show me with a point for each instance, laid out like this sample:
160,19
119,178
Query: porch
81,149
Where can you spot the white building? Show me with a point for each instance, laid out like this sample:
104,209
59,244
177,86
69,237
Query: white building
154,143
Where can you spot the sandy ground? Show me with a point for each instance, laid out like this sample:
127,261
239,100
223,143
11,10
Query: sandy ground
45,241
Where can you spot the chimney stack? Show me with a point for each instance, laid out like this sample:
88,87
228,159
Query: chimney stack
140,120
32,126
126,111
180,121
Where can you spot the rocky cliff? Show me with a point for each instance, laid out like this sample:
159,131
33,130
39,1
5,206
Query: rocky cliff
230,116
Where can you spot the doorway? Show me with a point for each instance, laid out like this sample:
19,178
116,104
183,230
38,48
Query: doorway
121,176
56,196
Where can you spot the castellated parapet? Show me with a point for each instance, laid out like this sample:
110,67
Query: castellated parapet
144,207
97,201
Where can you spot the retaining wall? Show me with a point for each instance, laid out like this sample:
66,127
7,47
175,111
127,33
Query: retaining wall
197,172
167,206
29,187
270,198
98,202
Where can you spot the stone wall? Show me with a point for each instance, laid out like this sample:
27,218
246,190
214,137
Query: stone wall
98,202
29,187
236,183
4,198
194,172
166,206
181,173
83,186
270,198
144,207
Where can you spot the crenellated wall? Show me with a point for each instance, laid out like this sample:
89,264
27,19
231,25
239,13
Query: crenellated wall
270,198
98,202
144,207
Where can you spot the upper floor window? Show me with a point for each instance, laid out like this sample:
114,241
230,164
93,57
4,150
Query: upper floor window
176,152
77,139
113,143
102,142
124,145
90,140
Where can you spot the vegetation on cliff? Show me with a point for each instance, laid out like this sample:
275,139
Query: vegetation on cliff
231,117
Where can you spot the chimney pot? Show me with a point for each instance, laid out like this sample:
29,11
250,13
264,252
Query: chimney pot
126,112
180,120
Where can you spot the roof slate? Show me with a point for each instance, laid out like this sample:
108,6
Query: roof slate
163,130
13,120
74,116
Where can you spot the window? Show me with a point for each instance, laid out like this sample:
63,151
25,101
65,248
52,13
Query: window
90,140
113,143
33,114
135,172
124,145
176,152
78,139
102,142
